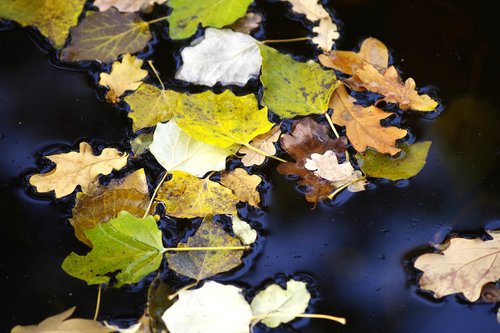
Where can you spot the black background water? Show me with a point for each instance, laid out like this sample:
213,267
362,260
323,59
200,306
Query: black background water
357,254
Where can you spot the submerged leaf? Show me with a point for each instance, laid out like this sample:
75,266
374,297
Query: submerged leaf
141,143
130,245
243,185
247,24
127,5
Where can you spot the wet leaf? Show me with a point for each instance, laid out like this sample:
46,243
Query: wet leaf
150,105
243,185
130,245
200,265
213,308
463,267
409,163
134,181
243,231
293,88
363,124
275,305
246,24
158,302
176,150
221,56
204,116
141,143
103,36
53,18
127,5
125,75
264,142
60,323
309,137
188,196
77,168
187,15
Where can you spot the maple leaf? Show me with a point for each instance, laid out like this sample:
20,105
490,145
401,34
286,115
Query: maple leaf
200,265
243,185
243,231
77,168
264,142
464,266
150,105
61,323
103,36
222,55
246,24
127,5
363,124
53,18
309,137
125,75
185,195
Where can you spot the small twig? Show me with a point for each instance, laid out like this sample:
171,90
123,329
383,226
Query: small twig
98,303
298,39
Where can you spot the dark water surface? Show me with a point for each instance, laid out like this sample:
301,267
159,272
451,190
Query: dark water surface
357,253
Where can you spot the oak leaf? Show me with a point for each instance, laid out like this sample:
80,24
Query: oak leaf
264,142
243,185
77,168
463,267
127,5
363,124
246,24
125,75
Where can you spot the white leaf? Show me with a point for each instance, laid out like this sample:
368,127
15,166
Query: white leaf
275,305
177,150
243,231
131,329
127,5
222,55
213,308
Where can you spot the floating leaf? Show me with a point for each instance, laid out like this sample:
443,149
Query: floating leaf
61,323
77,168
125,75
246,24
188,196
264,142
205,117
293,88
363,124
200,265
243,185
221,56
53,18
127,5
463,267
411,160
176,150
187,15
158,302
151,105
103,36
134,181
275,305
141,143
243,231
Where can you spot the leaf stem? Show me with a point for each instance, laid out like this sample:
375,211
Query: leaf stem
150,63
146,213
157,20
338,190
98,302
298,39
189,286
207,248
340,320
347,157
258,151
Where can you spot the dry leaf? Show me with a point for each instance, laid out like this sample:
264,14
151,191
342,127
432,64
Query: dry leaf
464,266
127,5
125,75
363,124
243,185
264,142
247,23
77,168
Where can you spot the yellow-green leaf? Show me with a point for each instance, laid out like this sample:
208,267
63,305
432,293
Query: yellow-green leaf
188,196
221,119
53,18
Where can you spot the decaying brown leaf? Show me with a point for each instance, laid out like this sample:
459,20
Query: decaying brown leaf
306,138
465,266
264,142
243,185
363,124
247,23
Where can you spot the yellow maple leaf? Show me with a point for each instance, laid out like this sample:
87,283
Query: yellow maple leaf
77,168
243,185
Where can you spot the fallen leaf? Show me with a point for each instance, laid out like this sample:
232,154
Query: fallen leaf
363,124
411,160
293,88
60,323
133,246
264,142
221,56
131,329
103,36
213,308
128,5
200,265
53,18
309,137
274,305
463,267
125,75
141,143
77,168
251,21
188,196
150,105
204,116
158,302
243,231
176,150
243,185
133,181
187,15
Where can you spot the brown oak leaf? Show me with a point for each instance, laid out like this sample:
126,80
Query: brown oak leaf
243,185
